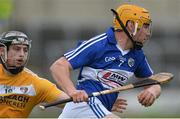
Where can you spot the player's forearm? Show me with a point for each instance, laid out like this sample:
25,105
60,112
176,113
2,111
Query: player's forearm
63,96
155,89
61,73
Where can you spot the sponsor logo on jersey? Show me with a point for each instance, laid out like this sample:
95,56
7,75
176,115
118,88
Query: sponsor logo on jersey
111,78
109,59
131,62
14,100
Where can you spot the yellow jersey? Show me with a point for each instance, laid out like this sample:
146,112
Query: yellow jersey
20,93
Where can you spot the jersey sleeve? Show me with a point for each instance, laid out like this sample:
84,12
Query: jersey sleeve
82,55
47,91
143,70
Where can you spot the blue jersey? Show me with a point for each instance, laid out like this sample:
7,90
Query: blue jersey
104,65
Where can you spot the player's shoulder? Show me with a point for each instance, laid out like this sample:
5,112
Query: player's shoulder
34,77
31,75
29,72
138,55
97,41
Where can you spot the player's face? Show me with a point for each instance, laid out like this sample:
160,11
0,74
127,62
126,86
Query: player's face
143,34
17,55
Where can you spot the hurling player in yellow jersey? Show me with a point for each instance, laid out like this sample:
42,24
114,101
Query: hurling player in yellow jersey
20,89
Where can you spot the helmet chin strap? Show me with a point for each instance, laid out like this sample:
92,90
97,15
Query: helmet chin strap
136,45
16,70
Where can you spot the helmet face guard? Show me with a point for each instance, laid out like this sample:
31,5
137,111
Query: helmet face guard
138,15
3,52
13,38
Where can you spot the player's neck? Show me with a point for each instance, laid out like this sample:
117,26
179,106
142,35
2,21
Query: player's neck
123,41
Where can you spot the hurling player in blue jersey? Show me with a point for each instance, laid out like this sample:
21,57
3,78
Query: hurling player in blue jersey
107,61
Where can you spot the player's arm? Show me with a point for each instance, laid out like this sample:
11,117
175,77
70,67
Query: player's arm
60,71
62,96
149,95
47,92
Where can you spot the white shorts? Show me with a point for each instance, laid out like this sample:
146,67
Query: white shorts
92,109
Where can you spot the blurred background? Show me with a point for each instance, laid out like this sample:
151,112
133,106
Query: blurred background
56,26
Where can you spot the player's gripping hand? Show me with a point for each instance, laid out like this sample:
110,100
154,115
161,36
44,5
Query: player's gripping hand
147,97
119,105
79,96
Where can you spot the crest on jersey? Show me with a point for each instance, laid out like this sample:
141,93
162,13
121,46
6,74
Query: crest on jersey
131,62
23,89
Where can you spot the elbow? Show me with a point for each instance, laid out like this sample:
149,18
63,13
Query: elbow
60,65
51,69
56,65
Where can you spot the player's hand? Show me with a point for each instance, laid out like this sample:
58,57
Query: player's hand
79,96
147,97
119,105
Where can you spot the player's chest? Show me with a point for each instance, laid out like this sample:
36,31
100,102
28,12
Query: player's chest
115,60
18,97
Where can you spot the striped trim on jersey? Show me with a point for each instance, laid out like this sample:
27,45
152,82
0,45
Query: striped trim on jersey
70,55
149,66
96,108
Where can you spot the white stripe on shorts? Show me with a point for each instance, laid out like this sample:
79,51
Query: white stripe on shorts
97,107
93,109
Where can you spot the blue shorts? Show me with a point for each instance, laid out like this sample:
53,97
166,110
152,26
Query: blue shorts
91,109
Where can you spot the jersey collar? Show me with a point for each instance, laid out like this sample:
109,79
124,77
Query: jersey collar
110,36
